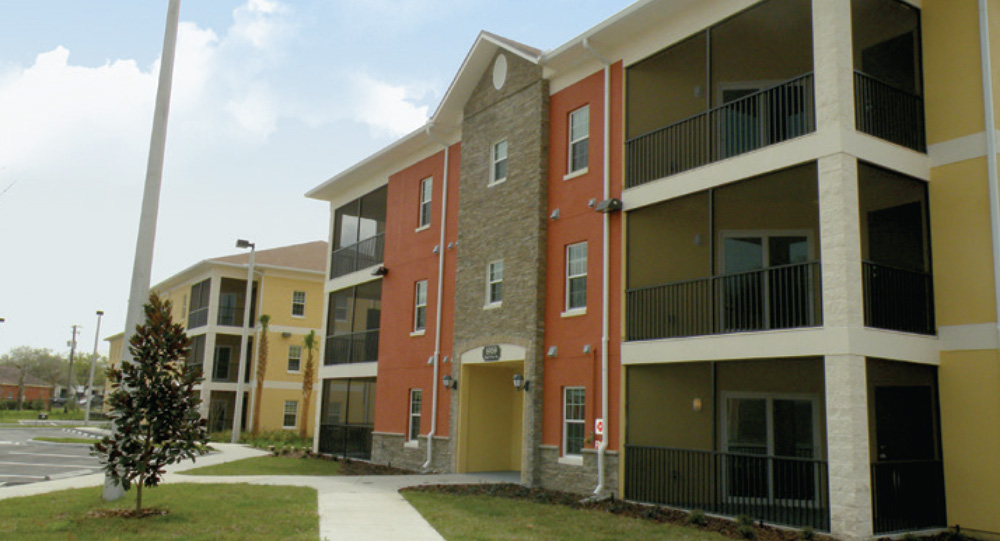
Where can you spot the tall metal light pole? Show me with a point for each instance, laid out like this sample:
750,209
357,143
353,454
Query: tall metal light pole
93,362
241,373
69,377
143,264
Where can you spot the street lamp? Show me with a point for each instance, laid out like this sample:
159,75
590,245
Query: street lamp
93,362
241,373
69,378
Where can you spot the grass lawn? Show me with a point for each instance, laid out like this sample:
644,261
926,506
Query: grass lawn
270,465
486,517
12,416
236,511
85,441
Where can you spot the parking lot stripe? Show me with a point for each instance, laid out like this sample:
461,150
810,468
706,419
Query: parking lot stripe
22,476
49,465
45,454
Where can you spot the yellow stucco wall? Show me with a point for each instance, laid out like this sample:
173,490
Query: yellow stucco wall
272,408
952,75
970,433
277,301
960,236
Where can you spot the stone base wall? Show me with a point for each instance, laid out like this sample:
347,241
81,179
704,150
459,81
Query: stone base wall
391,450
581,479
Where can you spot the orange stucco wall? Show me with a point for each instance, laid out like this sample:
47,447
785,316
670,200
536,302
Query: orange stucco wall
578,222
409,256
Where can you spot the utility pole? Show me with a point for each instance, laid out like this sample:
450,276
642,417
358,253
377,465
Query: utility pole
69,377
93,361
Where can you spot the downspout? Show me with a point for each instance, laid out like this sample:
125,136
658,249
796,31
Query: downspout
440,296
991,153
605,278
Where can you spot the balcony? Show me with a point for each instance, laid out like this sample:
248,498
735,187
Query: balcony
364,254
345,440
757,120
780,297
782,490
358,347
898,299
884,111
908,495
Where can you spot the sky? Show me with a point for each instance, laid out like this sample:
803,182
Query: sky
270,98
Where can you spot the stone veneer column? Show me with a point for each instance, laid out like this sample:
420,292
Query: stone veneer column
847,447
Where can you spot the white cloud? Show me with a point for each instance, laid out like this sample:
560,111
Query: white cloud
387,109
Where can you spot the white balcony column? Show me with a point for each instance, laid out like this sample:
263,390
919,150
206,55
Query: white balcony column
840,241
833,64
206,373
848,453
214,294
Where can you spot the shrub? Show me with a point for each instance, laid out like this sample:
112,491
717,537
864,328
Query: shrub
807,533
747,531
697,517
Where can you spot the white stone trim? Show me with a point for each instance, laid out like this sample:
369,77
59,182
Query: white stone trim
968,337
283,385
350,370
508,352
959,149
353,279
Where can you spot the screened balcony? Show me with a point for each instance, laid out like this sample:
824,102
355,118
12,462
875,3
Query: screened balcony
352,328
888,86
740,258
347,417
741,85
232,303
358,234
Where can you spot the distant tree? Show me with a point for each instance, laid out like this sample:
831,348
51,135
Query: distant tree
42,363
81,369
154,405
265,320
308,375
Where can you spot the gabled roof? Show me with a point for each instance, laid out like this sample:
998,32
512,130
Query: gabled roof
10,374
306,256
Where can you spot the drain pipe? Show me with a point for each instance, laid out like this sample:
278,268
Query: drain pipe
440,296
991,152
605,278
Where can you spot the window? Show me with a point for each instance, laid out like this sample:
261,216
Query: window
299,303
420,307
426,186
415,405
498,173
227,309
290,419
198,307
579,138
494,282
574,414
223,356
576,276
294,358
352,324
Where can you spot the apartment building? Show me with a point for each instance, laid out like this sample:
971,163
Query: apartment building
209,299
687,258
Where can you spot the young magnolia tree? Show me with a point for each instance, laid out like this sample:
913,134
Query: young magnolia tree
308,375
154,405
265,320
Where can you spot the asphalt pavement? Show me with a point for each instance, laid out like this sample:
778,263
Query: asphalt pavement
23,460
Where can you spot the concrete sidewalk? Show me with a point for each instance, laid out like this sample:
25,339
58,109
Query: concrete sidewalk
364,507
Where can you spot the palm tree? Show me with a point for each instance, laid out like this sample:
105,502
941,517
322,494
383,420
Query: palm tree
307,380
261,370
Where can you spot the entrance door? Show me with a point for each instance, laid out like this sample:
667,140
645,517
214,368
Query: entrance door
491,417
764,285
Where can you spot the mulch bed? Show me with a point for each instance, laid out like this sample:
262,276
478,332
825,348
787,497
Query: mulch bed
128,513
728,528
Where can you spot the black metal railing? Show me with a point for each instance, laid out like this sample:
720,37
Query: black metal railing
198,317
359,347
889,113
898,299
908,495
351,441
781,297
231,316
357,256
782,490
754,121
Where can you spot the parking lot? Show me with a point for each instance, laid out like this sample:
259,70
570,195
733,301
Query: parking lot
25,461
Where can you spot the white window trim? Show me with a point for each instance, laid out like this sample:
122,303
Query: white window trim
568,277
489,303
565,422
493,163
303,303
577,173
299,371
410,415
571,142
420,208
417,306
575,312
764,234
284,413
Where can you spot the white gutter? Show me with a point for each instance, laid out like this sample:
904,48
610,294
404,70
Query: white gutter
440,296
605,278
991,152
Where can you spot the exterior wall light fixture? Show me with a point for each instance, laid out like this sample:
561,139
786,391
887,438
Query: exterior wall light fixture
449,382
521,384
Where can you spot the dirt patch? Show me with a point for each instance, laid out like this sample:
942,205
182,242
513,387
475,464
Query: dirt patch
729,528
128,513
